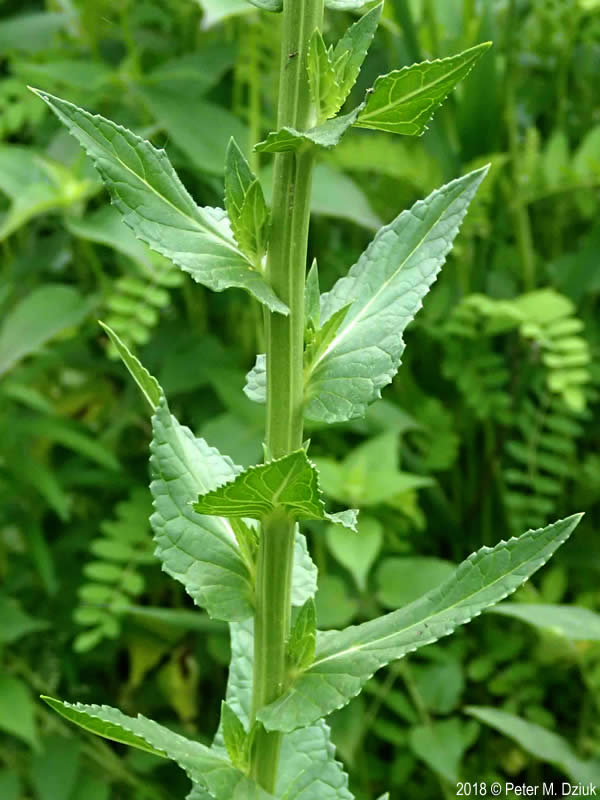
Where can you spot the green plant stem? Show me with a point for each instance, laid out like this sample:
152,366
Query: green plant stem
519,209
286,272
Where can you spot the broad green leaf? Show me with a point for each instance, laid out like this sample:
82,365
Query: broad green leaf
308,769
336,602
30,32
148,384
183,117
105,226
245,204
195,72
386,288
154,203
36,185
357,553
54,771
46,312
327,134
290,483
201,552
349,53
442,744
303,637
202,765
369,474
405,100
345,660
325,90
543,744
16,622
401,580
572,622
17,710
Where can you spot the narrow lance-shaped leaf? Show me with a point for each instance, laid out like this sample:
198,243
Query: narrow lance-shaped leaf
349,53
245,204
325,90
303,637
405,100
202,765
155,204
235,737
290,483
385,289
572,622
345,660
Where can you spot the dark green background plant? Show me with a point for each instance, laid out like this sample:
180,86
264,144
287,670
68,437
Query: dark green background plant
490,427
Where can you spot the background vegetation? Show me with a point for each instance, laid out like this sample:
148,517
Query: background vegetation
490,427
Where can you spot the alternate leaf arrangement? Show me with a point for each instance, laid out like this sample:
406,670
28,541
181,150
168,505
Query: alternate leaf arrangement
230,536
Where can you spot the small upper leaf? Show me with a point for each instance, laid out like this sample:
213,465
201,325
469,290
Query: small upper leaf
303,638
290,483
155,204
345,660
325,90
404,101
235,737
385,289
349,53
327,134
245,204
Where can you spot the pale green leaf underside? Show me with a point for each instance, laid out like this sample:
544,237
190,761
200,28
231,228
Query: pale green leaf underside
346,5
540,742
157,207
386,288
346,659
202,765
327,135
405,100
256,380
201,552
572,622
290,483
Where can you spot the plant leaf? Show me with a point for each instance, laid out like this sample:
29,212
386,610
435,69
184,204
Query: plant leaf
202,765
235,737
386,287
201,552
325,90
148,384
303,637
256,380
290,483
308,769
346,5
349,53
155,204
245,204
345,660
357,553
405,100
327,134
540,742
312,299
572,622
268,5
37,319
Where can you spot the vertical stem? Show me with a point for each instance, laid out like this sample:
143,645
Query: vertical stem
520,212
286,272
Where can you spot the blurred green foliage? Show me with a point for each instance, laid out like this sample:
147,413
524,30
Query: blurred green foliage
490,427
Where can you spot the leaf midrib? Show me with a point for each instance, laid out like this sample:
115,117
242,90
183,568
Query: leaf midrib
464,599
406,98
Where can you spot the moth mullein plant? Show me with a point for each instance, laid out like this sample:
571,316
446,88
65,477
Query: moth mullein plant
232,536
